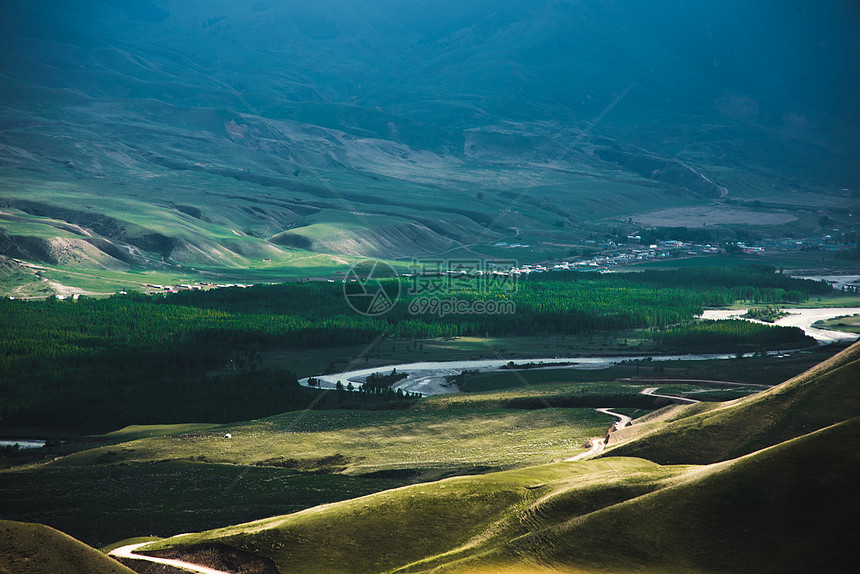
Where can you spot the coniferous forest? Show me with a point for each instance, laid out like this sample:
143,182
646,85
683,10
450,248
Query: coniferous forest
98,364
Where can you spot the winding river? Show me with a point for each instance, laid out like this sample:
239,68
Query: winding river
432,377
23,443
802,318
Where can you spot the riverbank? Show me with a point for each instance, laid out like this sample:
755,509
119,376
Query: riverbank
435,378
801,318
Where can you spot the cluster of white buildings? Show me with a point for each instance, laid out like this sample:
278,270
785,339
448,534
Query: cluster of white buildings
626,256
155,288
614,255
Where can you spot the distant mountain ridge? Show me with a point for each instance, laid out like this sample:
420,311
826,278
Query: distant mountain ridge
427,104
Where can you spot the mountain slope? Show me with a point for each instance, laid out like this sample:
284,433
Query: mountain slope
789,508
418,527
822,396
212,127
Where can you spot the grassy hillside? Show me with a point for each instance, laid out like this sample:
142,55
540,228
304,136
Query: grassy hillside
37,549
431,524
821,396
787,505
775,508
174,476
427,440
181,478
789,508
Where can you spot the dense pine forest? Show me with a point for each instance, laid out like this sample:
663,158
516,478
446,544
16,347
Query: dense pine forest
98,364
727,333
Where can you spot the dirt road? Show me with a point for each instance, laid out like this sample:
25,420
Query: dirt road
651,392
128,552
598,444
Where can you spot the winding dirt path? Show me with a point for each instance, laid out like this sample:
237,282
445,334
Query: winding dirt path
623,420
598,444
641,380
128,552
651,392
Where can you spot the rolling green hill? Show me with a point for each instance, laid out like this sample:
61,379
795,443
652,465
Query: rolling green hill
822,396
419,527
788,508
37,549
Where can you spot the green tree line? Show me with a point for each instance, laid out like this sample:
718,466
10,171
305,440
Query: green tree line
732,333
128,359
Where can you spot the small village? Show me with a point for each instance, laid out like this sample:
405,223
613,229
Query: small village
204,286
609,255
632,252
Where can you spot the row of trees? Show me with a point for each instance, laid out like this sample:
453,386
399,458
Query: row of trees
386,393
732,334
380,381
